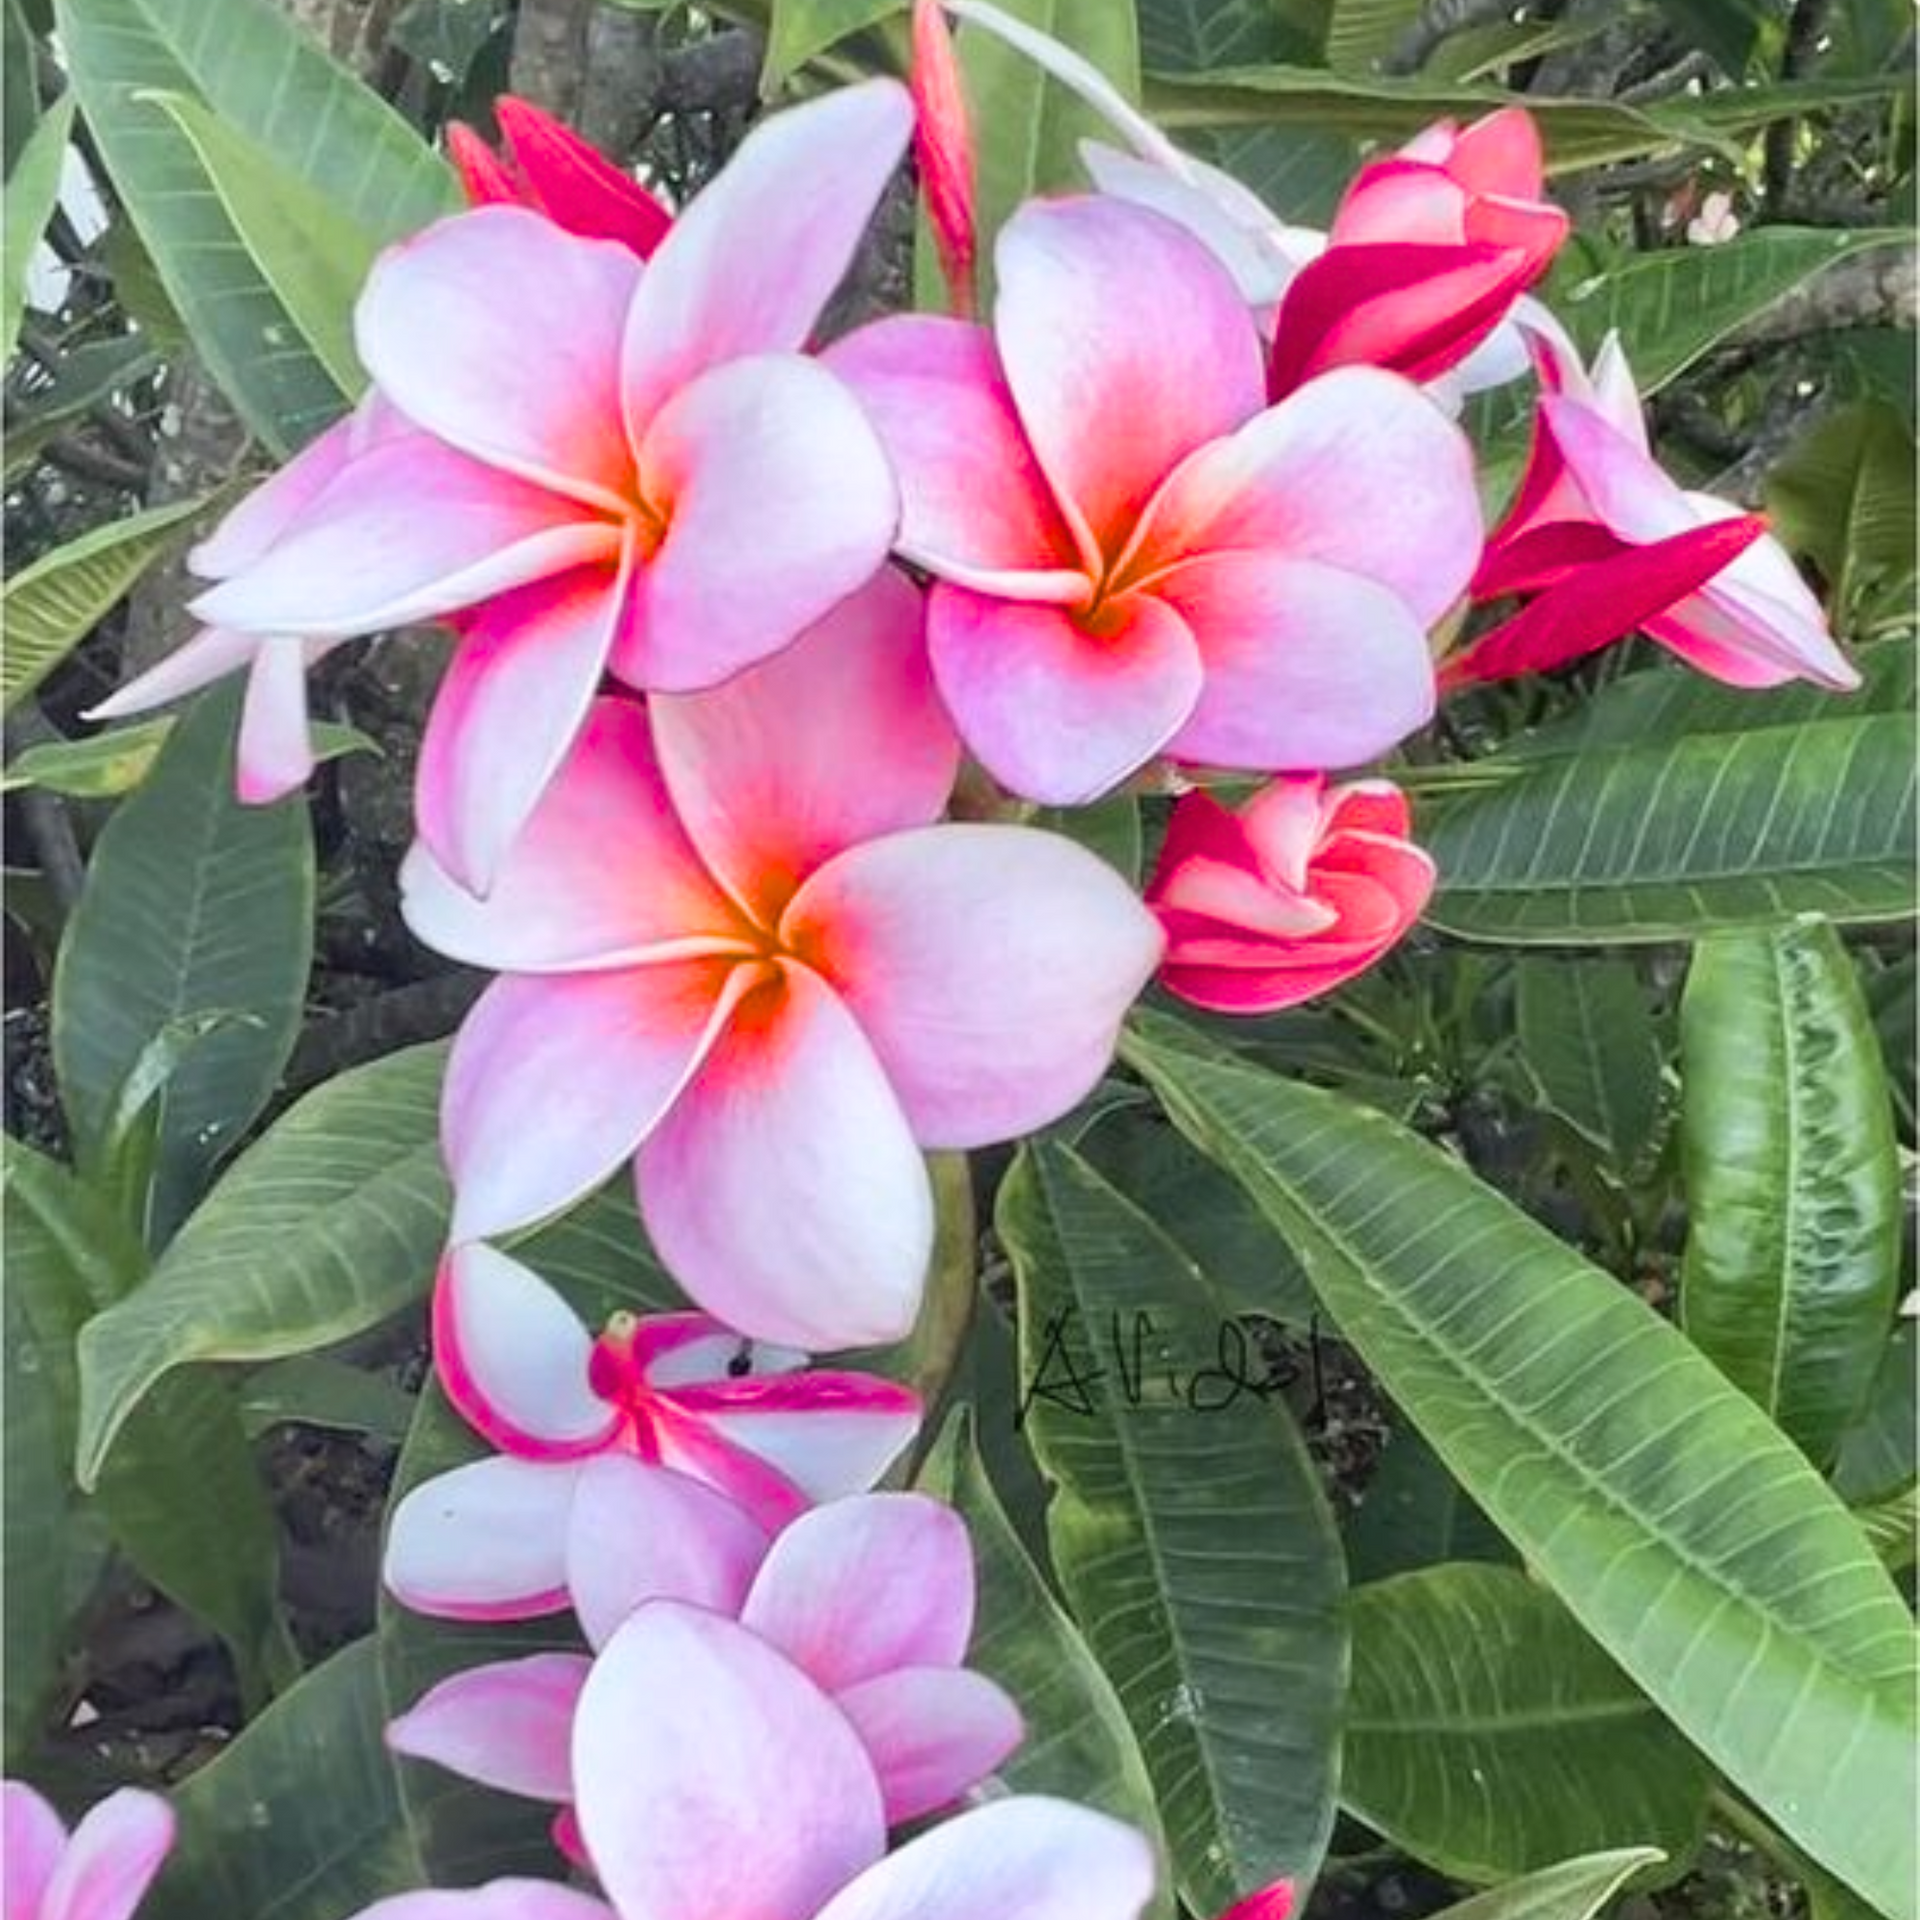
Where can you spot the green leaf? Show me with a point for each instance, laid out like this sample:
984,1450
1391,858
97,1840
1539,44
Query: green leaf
1027,126
1488,1736
1110,828
1683,1530
1890,1528
261,74
40,1516
1572,1890
599,1260
1078,1744
1189,1530
1670,840
194,904
300,1818
33,191
310,1391
1414,1514
1845,497
1672,306
1669,703
104,766
1792,1177
801,30
19,81
88,376
327,1224
51,606
1588,1042
181,1497
314,256
1203,1212
1880,1452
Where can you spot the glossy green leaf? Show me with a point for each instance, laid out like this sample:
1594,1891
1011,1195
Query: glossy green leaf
182,1496
33,190
194,904
1415,1514
1880,1452
40,1515
1205,1214
260,73
300,1818
51,606
1670,703
801,30
1110,828
1845,498
103,766
1671,840
1589,1045
1028,127
1569,1890
327,1224
1792,1177
1684,1531
1670,307
20,109
1488,1736
1189,1530
1078,1744
599,1259
309,1390
314,256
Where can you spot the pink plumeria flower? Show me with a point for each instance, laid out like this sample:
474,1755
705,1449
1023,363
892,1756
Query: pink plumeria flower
1611,544
600,466
101,1871
488,1540
1715,223
1305,887
871,1597
1135,554
712,1776
1430,249
544,166
734,944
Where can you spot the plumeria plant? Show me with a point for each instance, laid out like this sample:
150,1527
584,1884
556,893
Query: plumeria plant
1128,1164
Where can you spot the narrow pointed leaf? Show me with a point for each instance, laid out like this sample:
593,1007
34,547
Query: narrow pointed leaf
1188,1529
1570,1890
327,1224
33,190
1488,1736
1792,1176
1685,1532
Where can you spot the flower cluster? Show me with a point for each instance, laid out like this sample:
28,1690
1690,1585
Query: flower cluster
738,613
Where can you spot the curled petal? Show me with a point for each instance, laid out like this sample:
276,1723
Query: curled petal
410,531
836,740
574,185
508,1724
1126,346
1028,1858
274,754
531,385
212,654
484,1542
861,1586
554,1080
776,502
512,1356
111,1859
34,1839
745,1186
932,1733
1357,470
1056,710
641,1533
713,1777
974,506
602,874
989,966
511,704
751,262
943,150
1306,665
